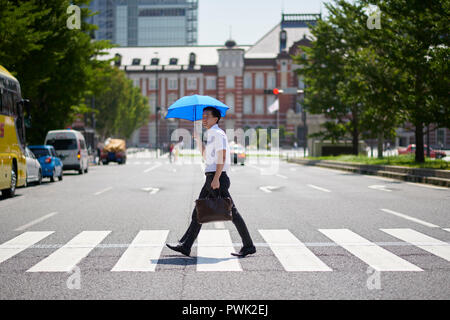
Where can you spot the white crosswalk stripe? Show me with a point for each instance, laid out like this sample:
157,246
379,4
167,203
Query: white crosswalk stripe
375,256
214,251
293,255
14,246
65,258
437,247
143,253
215,245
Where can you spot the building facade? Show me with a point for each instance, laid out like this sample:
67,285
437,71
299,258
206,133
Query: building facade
146,22
239,76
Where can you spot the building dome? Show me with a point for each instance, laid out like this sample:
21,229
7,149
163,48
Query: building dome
230,44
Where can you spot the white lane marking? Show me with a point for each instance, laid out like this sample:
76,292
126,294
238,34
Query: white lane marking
144,252
379,187
32,223
150,190
21,242
293,169
214,251
281,176
65,258
382,178
447,229
153,167
293,255
268,189
102,191
377,257
427,186
404,216
318,188
219,225
437,247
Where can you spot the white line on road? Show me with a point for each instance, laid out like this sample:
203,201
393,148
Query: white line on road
65,258
377,257
219,225
150,190
152,168
379,187
436,247
102,191
32,223
404,216
281,176
214,251
292,254
447,229
18,244
143,253
318,188
268,189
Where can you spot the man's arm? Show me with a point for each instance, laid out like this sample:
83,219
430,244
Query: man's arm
200,145
221,156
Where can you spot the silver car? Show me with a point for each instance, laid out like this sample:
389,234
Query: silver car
34,171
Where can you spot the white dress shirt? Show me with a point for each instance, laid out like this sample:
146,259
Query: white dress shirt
216,140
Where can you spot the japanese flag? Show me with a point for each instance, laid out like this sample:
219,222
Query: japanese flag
274,106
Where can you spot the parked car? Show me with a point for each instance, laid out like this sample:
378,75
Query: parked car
438,154
70,146
115,150
34,170
237,153
52,166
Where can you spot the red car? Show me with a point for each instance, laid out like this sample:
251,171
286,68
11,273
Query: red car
412,149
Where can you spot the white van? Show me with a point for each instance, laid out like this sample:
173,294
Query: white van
71,148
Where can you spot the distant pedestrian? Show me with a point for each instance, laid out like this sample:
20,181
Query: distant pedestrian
171,147
217,156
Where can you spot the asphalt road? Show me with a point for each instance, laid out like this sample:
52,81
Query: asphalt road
319,233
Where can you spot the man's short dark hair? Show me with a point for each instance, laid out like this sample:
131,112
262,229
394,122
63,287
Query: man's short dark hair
215,112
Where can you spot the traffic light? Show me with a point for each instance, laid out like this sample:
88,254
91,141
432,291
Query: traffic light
273,91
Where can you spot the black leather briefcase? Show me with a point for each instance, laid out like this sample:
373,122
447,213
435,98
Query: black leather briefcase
214,208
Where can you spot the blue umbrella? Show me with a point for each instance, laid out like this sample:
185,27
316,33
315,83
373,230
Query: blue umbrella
191,107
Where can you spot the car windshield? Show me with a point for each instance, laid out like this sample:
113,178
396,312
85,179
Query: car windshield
63,144
40,152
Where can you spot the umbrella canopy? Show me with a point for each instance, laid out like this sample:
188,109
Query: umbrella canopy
191,107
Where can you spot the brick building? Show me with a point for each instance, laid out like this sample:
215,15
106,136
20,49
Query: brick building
235,74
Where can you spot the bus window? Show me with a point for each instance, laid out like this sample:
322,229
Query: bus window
1,101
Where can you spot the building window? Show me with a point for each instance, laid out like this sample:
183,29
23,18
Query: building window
173,84
152,103
247,104
210,83
192,83
230,82
259,104
301,83
248,83
271,81
229,101
171,98
259,81
440,137
152,84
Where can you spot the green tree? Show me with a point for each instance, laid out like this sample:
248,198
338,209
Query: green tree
51,61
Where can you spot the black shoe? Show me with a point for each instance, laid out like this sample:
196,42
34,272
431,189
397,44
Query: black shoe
179,248
244,251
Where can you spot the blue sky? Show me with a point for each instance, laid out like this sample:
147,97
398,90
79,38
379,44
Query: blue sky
249,19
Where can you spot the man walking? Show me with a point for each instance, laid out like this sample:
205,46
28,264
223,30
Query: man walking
217,156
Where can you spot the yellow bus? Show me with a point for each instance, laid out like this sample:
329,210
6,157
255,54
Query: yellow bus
12,135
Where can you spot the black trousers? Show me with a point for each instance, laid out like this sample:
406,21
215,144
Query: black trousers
194,228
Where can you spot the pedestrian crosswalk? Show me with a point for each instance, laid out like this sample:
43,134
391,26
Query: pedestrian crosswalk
214,248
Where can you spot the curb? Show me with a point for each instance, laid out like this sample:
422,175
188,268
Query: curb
428,176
